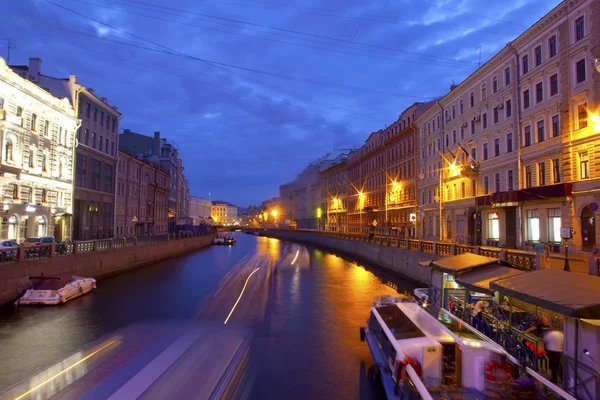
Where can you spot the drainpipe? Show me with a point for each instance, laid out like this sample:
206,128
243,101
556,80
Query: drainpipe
440,195
519,126
73,151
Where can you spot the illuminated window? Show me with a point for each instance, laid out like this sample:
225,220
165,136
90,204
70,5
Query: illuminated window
582,116
554,224
493,226
584,166
533,226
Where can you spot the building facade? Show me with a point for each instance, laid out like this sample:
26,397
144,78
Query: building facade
38,143
200,210
159,151
142,197
224,213
334,191
95,153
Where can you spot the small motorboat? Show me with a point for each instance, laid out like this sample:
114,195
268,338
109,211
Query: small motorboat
230,241
55,289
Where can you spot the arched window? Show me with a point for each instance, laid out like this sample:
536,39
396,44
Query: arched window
30,159
8,150
61,167
44,162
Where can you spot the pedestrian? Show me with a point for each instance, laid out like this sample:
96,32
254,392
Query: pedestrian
554,344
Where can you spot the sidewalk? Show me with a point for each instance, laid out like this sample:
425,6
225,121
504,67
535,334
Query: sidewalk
577,263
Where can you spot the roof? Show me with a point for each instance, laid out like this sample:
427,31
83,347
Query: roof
567,293
480,279
456,265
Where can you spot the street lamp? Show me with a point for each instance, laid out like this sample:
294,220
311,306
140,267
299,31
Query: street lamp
361,203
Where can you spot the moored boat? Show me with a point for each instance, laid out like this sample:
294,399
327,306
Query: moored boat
417,356
52,290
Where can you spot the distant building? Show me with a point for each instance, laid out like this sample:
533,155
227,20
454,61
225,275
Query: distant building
95,152
199,210
159,151
37,131
224,213
334,193
142,197
301,200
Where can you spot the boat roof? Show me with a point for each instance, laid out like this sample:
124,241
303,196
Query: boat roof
430,326
481,278
462,263
568,293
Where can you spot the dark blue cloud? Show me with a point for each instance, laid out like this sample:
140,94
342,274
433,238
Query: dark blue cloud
241,133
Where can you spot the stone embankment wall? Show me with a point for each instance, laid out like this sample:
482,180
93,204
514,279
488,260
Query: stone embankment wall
399,261
14,276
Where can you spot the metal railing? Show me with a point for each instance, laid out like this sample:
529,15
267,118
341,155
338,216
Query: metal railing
22,253
522,259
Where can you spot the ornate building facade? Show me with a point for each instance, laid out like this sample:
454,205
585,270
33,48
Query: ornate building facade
38,144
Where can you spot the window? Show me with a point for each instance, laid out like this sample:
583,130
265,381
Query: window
484,120
95,184
80,170
497,183
495,85
541,174
87,110
474,154
462,132
533,226
496,147
472,99
582,115
552,49
556,170
555,126
453,112
94,139
8,150
108,178
19,111
538,56
483,92
463,189
106,145
462,107
525,64
495,115
100,143
485,185
472,127
474,187
30,159
526,98
493,226
454,136
507,76
95,114
528,176
508,108
33,124
46,127
580,69
579,28
87,136
509,180
485,151
102,118
539,93
553,85
114,124
540,131
584,166
527,136
554,224
44,162
509,143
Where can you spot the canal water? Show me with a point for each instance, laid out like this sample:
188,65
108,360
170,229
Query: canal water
310,348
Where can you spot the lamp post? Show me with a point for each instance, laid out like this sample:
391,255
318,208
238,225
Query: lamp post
361,199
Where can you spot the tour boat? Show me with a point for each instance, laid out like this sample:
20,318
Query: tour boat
55,289
415,354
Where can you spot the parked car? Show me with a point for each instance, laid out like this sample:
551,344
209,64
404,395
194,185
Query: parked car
39,246
8,250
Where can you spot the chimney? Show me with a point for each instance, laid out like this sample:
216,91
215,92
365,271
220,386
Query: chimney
156,143
35,69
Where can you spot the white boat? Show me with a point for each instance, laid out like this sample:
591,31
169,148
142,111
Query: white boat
55,289
417,356
223,239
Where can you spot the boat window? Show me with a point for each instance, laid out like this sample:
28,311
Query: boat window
398,323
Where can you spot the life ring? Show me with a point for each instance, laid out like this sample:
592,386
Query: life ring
492,366
413,363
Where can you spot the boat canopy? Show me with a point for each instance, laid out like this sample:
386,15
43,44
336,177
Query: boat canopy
462,263
570,294
480,279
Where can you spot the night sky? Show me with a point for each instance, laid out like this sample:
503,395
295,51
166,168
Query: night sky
252,91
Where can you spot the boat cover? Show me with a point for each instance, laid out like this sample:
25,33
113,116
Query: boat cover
571,294
480,279
456,265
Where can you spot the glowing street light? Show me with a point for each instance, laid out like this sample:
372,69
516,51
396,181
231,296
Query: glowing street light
595,118
274,213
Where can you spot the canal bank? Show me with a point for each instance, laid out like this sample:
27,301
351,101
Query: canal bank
14,276
381,253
